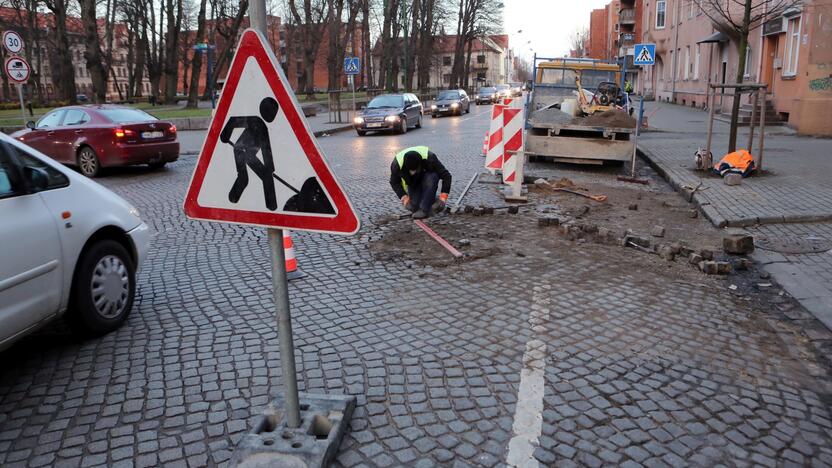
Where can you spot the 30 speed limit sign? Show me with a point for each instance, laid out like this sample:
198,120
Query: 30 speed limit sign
12,42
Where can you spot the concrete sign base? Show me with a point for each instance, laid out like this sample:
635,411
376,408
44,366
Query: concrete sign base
324,420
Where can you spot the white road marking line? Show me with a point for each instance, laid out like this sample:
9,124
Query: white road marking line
528,413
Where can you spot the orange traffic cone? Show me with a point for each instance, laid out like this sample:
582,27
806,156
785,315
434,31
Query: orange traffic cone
292,271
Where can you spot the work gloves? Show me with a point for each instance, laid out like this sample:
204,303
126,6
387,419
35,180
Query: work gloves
440,203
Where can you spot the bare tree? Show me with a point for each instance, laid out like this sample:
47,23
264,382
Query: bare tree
475,19
736,19
63,76
196,62
578,41
310,20
92,50
174,11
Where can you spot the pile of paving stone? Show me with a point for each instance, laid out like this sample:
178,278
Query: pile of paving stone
704,259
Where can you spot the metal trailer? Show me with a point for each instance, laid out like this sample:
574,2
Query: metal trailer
555,135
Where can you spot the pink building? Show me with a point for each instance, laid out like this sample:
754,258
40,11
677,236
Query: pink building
787,53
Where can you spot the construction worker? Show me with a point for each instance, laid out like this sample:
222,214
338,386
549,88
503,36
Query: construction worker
414,176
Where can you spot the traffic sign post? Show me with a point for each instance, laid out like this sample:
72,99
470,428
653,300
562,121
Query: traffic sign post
17,70
259,129
352,67
644,55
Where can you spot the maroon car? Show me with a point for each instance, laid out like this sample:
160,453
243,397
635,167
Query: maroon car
92,137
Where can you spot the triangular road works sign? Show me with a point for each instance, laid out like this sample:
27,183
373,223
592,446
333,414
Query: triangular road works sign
260,163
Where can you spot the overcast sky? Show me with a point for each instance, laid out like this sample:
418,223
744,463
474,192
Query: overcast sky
546,23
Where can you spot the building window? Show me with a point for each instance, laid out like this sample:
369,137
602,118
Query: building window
748,62
446,60
696,64
660,13
792,47
687,63
480,58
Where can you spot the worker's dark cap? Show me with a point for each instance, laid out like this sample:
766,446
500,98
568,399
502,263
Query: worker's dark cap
412,161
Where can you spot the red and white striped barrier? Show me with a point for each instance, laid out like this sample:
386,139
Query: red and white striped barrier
512,141
494,154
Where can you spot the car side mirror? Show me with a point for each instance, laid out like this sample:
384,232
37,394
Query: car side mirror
30,125
37,178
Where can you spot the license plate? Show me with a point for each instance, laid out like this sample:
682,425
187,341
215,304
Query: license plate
375,125
151,135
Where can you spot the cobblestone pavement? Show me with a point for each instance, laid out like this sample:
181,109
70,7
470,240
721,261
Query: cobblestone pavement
795,189
639,364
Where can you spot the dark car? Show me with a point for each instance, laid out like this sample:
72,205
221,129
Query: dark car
92,137
396,112
451,101
487,94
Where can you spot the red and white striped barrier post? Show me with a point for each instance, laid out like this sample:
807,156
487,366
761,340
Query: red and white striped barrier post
512,142
494,154
485,145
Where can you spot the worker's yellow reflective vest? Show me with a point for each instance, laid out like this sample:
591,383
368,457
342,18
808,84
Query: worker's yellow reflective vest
423,152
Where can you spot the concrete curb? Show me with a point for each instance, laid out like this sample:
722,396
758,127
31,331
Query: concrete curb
330,131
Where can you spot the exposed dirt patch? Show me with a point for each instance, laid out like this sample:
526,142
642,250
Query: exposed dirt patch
403,240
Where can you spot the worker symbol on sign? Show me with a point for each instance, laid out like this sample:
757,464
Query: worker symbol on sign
255,140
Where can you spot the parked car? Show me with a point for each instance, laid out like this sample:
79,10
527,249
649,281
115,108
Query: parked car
396,112
503,91
450,101
93,137
487,94
72,250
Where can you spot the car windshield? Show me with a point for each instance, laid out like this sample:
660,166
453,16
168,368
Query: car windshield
123,115
502,86
448,95
487,90
389,101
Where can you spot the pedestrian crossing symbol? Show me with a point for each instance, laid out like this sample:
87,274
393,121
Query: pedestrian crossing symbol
351,65
645,54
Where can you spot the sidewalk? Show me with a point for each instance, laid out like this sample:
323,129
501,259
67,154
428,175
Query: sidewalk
788,208
191,140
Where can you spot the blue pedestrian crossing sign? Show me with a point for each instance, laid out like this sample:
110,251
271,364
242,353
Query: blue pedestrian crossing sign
645,54
352,65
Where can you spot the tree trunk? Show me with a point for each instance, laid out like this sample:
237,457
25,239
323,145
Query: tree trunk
366,46
64,80
735,107
93,55
171,63
196,62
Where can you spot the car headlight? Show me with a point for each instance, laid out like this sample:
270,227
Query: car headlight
454,105
358,120
433,107
391,118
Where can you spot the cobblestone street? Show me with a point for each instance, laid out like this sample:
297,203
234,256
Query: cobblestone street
545,352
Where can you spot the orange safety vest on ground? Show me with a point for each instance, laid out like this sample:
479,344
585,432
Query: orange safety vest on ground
739,161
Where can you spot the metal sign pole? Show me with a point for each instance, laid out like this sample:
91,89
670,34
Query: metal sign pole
257,13
22,108
284,326
352,81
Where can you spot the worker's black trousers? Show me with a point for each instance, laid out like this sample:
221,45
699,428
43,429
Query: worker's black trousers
422,192
264,171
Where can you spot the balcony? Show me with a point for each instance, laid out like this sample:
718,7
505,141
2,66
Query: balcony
479,66
626,39
627,16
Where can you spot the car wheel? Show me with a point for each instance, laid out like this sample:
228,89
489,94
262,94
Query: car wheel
433,116
157,165
103,288
88,162
360,132
419,121
403,128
